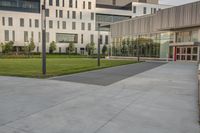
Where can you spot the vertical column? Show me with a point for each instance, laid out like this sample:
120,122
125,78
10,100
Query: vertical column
43,15
174,51
174,48
198,54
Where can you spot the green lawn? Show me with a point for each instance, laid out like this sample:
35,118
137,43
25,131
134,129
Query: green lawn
31,67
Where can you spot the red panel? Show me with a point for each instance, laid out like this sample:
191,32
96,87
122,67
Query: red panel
175,53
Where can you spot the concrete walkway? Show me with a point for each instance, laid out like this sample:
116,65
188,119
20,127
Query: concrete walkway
109,75
161,100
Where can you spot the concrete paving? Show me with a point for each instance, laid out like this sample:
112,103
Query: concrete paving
161,100
109,75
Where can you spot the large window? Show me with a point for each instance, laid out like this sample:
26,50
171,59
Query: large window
66,38
144,10
47,12
13,37
10,21
89,5
60,13
20,5
50,24
134,9
57,2
70,3
25,36
50,2
64,24
74,14
187,36
21,22
6,32
73,25
36,23
92,16
110,18
3,21
82,26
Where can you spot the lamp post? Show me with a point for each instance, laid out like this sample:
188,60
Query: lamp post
138,49
43,37
99,40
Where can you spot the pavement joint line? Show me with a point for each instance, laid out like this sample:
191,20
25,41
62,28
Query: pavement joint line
52,106
123,109
18,129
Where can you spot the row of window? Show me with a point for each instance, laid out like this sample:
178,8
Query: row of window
73,14
51,25
8,34
71,3
153,10
74,25
10,22
60,37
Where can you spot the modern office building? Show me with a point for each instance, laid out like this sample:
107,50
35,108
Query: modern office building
172,33
67,20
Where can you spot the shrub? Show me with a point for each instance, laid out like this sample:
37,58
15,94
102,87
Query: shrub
71,48
7,47
52,47
90,47
104,50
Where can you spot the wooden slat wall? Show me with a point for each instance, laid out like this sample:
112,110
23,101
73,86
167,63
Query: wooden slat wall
176,17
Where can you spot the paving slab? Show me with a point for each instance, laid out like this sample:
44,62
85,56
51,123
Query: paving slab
109,75
160,100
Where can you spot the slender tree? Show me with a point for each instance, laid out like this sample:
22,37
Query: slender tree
104,50
52,47
71,47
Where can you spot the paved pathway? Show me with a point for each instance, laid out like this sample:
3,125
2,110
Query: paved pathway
109,75
161,100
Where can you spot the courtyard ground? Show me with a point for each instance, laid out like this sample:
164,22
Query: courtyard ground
160,100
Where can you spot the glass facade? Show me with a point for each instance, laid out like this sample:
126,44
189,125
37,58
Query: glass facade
66,38
106,18
187,36
157,45
145,46
20,5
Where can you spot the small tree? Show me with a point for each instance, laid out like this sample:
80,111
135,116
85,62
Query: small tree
52,47
90,47
124,49
8,47
2,47
71,47
31,46
104,50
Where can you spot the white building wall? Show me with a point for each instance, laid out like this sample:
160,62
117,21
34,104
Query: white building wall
86,18
149,7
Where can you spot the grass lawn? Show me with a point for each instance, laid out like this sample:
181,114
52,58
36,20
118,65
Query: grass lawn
31,67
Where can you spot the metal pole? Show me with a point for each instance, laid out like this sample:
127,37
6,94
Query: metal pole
138,49
99,40
44,38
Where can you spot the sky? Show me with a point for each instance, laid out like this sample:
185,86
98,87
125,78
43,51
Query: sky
176,2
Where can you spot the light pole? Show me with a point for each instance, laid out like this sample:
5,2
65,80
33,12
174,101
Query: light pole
99,40
43,37
138,49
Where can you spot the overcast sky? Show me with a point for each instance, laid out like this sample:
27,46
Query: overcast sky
176,2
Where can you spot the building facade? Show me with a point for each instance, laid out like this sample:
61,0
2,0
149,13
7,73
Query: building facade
172,33
67,21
